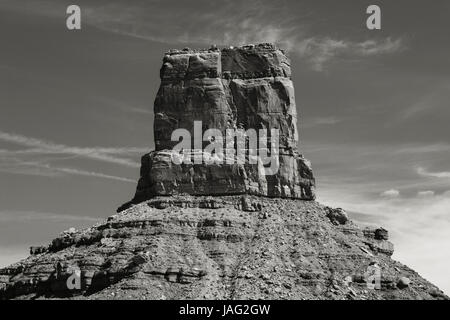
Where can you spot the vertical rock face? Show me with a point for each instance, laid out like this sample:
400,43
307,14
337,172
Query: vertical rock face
234,88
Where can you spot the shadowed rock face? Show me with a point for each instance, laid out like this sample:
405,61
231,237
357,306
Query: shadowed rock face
235,88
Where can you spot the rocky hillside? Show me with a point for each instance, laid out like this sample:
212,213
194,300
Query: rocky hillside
231,247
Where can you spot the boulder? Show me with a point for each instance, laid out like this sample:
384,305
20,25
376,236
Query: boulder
38,249
403,282
337,216
247,204
381,234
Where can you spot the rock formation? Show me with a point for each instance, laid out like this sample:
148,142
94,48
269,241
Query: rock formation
220,231
248,87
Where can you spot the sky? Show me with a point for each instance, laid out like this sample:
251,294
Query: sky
76,109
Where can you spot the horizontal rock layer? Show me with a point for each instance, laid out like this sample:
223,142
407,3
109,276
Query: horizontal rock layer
233,247
160,176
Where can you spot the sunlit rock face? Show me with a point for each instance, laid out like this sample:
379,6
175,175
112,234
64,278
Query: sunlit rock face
247,87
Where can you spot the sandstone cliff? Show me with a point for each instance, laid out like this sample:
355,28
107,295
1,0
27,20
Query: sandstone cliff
247,87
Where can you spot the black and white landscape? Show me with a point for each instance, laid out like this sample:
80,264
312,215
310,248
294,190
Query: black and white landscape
83,98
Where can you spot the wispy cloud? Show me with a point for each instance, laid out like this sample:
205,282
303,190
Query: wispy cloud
436,98
42,152
321,121
427,193
36,168
96,153
320,51
423,172
234,27
374,47
79,172
124,106
425,148
229,23
391,193
22,216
